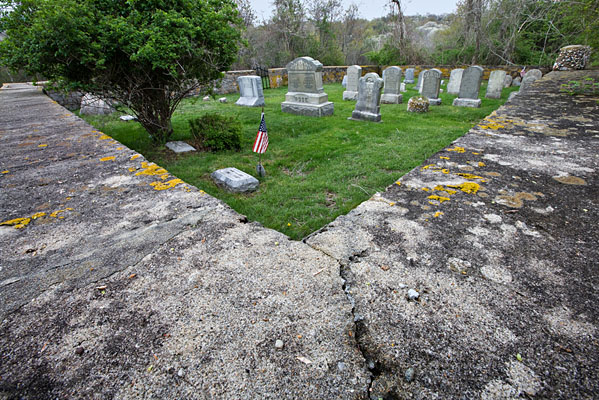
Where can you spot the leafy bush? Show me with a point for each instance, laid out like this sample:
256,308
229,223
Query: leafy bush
214,132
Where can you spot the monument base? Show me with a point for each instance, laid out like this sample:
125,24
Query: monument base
473,103
364,116
435,102
391,98
349,95
307,109
250,102
408,81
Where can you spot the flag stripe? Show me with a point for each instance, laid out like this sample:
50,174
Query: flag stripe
261,142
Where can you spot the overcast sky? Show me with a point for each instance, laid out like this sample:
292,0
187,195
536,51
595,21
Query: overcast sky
370,9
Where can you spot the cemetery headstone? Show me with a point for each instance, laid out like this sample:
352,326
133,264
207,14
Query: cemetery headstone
180,147
223,100
495,84
431,81
368,107
572,57
234,180
469,88
508,81
530,78
354,73
455,79
409,76
206,98
250,89
305,94
94,105
419,83
418,104
402,87
344,81
517,81
392,79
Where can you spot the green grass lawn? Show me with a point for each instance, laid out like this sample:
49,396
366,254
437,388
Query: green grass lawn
317,168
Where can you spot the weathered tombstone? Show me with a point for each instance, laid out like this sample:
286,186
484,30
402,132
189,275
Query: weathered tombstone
94,105
234,180
402,87
511,96
507,82
469,88
179,147
455,78
409,76
392,79
418,104
368,107
354,73
431,81
419,83
530,78
495,84
344,81
250,89
306,95
517,81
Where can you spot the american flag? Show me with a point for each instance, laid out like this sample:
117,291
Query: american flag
261,142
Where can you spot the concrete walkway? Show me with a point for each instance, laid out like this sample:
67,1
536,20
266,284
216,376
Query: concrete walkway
118,280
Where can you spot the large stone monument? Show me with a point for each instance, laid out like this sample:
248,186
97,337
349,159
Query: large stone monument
496,84
431,84
455,79
409,76
305,94
354,73
250,88
572,57
469,88
392,82
368,107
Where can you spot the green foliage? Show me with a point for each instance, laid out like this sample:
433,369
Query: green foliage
147,55
587,86
214,132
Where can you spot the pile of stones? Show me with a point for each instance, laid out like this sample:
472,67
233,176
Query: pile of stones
418,104
572,57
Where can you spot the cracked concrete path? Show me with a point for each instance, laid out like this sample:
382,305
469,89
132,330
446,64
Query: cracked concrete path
498,234
114,289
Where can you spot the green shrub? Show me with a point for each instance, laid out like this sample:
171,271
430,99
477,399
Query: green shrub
214,132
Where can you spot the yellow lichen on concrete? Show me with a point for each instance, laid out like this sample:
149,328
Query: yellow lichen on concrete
5,172
440,199
444,158
42,145
134,156
467,187
570,180
104,137
458,149
469,176
110,158
17,223
166,185
438,214
151,169
440,188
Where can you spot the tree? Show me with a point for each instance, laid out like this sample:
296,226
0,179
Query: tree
147,55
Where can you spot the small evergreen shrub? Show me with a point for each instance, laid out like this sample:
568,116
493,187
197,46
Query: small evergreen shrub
214,132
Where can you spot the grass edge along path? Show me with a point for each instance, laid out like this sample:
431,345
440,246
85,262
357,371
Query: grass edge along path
317,168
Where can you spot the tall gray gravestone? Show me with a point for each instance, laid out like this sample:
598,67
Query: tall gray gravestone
455,79
392,82
409,76
507,82
431,83
368,107
354,72
305,94
250,89
469,88
419,84
496,84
